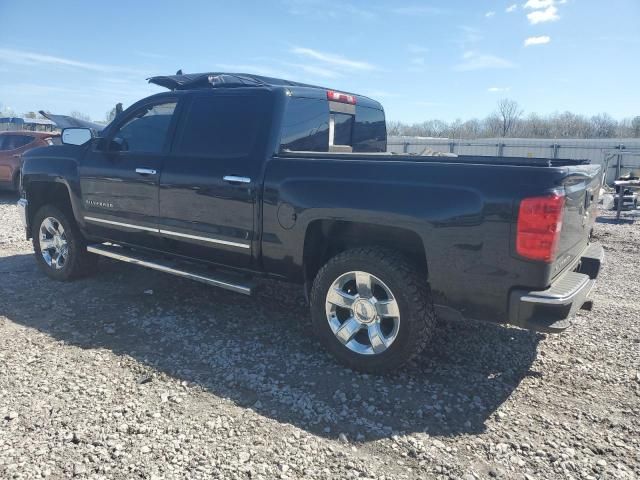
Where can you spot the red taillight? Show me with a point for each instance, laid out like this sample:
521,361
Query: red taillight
341,97
539,225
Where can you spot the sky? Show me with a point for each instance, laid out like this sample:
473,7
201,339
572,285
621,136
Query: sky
427,59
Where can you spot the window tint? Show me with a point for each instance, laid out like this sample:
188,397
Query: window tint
343,126
147,130
305,125
370,131
223,125
12,142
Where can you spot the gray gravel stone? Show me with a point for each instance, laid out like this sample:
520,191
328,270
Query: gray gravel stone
240,389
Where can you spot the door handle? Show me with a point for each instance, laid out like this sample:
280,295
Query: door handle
234,179
145,171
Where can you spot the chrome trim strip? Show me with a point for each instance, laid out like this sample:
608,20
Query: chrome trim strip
121,224
106,252
169,232
205,239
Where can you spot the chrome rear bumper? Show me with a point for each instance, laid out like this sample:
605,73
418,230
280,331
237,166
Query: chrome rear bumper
551,310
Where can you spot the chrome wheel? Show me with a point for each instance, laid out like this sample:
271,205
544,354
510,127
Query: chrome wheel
53,243
362,313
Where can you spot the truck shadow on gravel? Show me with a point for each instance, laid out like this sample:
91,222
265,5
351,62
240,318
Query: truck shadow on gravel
260,353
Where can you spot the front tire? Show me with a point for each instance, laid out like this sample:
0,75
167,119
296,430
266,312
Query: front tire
60,248
372,309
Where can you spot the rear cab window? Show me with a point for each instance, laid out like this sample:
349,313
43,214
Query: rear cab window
319,125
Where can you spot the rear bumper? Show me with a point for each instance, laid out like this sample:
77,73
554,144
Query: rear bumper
551,310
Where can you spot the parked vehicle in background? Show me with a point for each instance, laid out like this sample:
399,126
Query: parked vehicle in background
231,176
12,146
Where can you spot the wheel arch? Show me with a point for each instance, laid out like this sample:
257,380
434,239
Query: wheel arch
40,193
325,238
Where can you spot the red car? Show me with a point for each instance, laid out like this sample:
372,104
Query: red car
12,146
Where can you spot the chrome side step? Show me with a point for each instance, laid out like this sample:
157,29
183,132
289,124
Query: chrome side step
138,258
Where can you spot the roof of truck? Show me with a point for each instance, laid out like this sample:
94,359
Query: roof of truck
208,80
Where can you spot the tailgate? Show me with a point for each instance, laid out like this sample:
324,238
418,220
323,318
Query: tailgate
581,187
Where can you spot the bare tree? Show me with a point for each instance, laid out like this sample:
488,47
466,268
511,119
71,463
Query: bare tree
509,112
492,125
635,126
80,115
394,128
110,115
471,128
603,125
508,121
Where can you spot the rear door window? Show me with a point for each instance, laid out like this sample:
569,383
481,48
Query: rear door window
305,126
370,130
224,125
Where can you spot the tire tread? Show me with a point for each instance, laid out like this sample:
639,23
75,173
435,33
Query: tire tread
421,323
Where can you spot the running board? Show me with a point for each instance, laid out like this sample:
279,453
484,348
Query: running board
174,268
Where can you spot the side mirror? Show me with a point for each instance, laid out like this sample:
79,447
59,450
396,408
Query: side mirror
76,136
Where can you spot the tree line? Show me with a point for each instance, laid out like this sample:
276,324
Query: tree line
509,120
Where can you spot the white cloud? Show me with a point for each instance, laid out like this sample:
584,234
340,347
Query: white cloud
541,40
490,14
511,8
315,71
536,4
540,16
22,57
332,59
478,61
498,89
418,61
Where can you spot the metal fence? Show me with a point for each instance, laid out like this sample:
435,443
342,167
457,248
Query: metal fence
621,155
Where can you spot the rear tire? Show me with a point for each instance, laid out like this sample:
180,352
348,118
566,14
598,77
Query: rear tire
60,248
372,309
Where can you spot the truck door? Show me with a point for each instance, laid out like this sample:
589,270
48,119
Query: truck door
119,175
210,181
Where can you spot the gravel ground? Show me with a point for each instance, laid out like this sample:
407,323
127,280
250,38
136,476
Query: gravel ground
136,374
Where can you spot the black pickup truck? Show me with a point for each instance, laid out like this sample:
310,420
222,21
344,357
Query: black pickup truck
226,177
